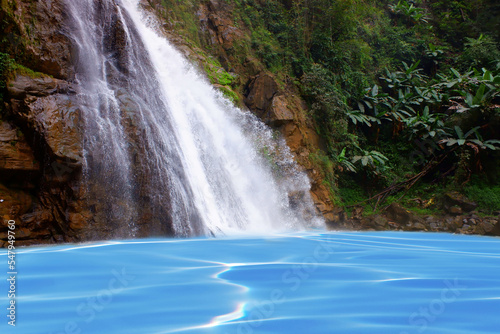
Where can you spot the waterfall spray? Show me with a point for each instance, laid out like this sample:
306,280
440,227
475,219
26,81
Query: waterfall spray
166,153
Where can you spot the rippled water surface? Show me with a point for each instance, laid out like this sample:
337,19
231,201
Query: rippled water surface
296,283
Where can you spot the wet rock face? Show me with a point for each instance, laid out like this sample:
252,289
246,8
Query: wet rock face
283,110
35,33
40,147
54,53
41,133
40,144
48,107
42,139
23,85
15,152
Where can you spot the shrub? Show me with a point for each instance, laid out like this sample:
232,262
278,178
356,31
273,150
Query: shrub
485,194
481,52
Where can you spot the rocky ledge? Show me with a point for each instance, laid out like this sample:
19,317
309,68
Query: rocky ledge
458,216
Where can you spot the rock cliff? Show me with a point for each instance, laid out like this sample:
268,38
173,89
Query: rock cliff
41,134
40,139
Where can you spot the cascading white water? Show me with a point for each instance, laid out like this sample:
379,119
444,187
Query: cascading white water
160,140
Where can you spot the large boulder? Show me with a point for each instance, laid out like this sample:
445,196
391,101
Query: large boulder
453,200
403,217
493,227
260,92
48,107
279,112
262,96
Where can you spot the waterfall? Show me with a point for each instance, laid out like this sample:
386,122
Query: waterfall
166,153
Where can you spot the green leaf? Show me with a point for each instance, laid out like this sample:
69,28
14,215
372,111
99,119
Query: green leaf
469,99
478,135
450,142
488,76
349,166
400,94
426,111
474,130
361,107
455,72
375,90
413,67
477,142
342,154
479,95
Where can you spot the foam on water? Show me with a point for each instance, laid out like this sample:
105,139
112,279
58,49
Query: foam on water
383,282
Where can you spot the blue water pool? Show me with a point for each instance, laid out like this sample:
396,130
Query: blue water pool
380,282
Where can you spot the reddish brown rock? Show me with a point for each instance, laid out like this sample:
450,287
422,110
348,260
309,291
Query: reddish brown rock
41,201
455,199
455,210
36,33
15,153
23,85
253,66
496,228
279,112
13,204
322,201
486,226
293,136
260,93
399,214
42,106
217,24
